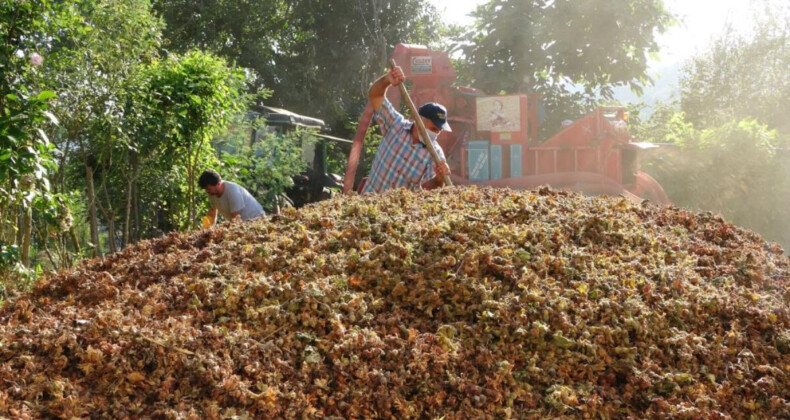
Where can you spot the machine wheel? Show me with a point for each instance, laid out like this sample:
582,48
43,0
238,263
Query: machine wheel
649,189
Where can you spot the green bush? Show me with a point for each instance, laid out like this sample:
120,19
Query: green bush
738,170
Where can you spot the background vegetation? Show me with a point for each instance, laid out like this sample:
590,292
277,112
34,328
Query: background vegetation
727,135
109,109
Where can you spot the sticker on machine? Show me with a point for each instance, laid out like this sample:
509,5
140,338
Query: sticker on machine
421,64
499,113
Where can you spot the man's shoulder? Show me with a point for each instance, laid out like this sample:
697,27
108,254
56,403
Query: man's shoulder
388,110
233,187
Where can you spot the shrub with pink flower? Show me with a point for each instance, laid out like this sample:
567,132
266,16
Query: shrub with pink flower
36,59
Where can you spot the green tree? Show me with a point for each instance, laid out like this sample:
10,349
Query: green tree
344,46
743,75
734,169
193,98
556,47
27,32
95,77
666,124
318,57
242,30
730,128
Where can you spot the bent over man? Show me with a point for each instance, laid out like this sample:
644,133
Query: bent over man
231,200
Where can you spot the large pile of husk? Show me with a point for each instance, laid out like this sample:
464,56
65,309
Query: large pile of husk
459,303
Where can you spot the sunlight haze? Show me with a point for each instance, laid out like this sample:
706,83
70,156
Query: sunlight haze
699,22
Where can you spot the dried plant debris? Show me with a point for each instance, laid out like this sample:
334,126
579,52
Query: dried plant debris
457,303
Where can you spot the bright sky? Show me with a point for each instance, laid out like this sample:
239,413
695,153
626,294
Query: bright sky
456,11
701,20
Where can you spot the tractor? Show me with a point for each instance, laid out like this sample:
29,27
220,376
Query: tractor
313,184
495,142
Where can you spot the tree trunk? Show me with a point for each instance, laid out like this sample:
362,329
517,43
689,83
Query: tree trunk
7,233
111,232
20,232
75,241
54,261
62,249
109,214
191,188
60,175
127,225
253,131
26,229
134,217
128,214
136,211
92,210
191,198
2,222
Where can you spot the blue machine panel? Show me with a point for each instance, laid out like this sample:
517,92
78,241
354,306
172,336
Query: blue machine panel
515,160
477,160
496,161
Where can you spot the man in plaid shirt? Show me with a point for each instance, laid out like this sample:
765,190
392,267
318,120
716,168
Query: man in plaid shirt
402,160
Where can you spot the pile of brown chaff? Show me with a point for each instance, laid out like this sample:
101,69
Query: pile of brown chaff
457,303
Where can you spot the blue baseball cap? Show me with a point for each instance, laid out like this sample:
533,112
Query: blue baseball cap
436,113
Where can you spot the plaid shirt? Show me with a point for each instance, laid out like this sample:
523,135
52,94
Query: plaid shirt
399,162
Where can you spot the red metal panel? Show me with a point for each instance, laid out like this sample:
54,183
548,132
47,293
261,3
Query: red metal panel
356,149
430,74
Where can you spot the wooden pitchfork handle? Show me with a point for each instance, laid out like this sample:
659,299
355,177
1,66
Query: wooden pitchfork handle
421,126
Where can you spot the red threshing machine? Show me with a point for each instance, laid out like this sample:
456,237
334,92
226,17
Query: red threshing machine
495,138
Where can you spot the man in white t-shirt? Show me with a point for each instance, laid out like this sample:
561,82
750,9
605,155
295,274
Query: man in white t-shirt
231,200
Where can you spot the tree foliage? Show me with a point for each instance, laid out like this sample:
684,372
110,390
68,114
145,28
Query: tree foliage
346,45
573,52
265,162
95,73
728,133
27,157
734,169
318,57
120,159
194,97
743,75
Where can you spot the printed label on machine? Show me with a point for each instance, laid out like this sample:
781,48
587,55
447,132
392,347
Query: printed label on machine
499,114
421,64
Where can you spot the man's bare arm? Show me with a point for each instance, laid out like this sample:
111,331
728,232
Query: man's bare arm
378,89
434,183
438,180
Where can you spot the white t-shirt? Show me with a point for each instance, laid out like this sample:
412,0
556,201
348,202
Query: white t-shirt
236,198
